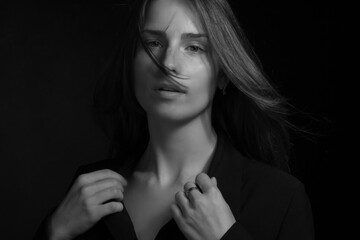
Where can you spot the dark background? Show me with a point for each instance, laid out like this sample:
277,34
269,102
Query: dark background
51,55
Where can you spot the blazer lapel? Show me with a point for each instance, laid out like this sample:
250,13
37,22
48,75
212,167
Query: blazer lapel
227,167
119,224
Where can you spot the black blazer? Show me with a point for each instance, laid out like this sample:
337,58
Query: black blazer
267,203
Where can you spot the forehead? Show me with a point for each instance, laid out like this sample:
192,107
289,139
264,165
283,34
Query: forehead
173,16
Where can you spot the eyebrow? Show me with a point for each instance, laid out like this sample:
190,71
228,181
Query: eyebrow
193,35
185,36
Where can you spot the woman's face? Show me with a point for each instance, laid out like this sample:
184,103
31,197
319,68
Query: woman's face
173,33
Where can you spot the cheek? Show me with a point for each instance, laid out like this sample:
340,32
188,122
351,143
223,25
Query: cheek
204,80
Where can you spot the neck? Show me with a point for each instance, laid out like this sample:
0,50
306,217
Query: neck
178,152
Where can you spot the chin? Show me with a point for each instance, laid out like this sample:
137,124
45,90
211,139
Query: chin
177,115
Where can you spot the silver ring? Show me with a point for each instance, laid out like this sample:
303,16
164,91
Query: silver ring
190,189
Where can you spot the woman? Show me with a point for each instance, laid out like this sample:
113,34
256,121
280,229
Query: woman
198,128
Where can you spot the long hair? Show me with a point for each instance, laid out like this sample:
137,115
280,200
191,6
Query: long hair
252,113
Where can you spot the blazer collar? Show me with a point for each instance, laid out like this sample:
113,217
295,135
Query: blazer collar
226,166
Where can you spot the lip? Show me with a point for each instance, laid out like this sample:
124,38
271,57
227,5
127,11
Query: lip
167,87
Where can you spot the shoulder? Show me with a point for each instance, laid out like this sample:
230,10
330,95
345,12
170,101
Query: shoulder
256,181
254,175
263,175
111,164
270,188
124,165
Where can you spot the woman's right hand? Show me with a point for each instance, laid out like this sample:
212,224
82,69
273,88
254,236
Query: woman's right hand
92,196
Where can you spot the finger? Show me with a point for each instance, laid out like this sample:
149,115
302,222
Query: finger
177,215
191,191
204,182
176,212
108,208
92,189
182,202
213,179
105,196
194,196
88,178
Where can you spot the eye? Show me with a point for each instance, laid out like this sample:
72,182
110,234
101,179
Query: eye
153,44
195,49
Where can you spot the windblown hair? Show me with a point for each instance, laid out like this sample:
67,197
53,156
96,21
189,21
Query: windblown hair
252,113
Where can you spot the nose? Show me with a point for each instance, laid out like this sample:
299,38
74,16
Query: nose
169,60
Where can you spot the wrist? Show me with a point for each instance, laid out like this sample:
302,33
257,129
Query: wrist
226,226
56,231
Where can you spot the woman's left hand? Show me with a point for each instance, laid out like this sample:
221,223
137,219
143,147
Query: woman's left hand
200,211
